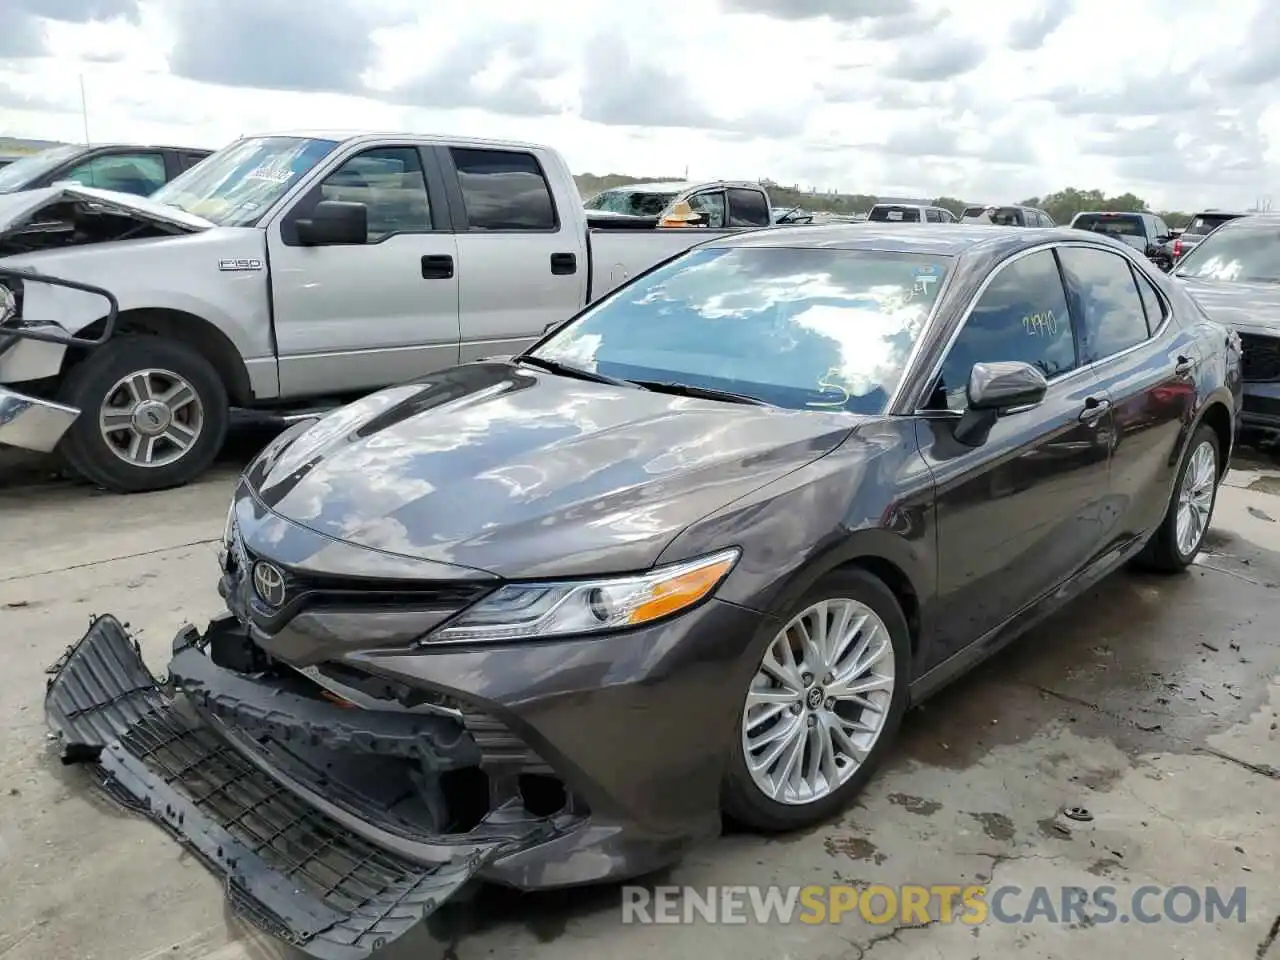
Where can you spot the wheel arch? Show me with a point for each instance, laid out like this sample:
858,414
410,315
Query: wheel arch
207,340
887,556
1217,414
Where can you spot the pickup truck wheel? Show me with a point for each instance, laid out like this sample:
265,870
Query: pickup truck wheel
153,414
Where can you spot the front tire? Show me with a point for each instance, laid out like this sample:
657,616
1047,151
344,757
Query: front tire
153,414
823,706
1186,521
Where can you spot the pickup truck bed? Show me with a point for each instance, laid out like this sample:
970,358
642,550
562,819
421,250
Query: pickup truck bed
283,273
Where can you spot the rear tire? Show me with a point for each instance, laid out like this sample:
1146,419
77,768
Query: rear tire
1186,521
752,796
153,414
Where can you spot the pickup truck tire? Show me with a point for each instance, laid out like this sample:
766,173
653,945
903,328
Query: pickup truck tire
153,414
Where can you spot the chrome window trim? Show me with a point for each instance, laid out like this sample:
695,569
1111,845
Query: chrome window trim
1053,381
914,354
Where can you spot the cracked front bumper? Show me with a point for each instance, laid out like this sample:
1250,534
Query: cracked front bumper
293,868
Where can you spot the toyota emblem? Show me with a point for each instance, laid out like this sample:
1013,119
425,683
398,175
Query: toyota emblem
268,584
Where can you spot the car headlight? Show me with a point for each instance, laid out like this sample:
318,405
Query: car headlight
520,611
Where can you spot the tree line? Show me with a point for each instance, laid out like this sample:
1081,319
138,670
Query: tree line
1061,205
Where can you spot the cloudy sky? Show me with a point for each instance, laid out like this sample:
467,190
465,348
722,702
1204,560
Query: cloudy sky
991,100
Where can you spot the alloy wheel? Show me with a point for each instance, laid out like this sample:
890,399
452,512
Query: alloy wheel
819,701
151,418
1195,498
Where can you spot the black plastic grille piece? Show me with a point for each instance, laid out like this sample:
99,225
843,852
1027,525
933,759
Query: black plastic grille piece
336,895
1260,362
288,868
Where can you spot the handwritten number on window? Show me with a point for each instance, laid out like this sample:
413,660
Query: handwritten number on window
1040,324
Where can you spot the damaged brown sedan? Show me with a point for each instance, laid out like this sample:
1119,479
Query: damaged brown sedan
547,620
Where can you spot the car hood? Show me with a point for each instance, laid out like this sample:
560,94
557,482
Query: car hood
16,209
521,473
1247,307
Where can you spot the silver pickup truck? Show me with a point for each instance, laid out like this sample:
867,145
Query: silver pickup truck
285,273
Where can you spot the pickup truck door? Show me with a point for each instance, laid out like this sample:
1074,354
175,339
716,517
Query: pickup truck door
351,318
521,261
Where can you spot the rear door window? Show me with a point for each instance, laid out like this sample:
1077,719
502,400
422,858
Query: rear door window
1111,311
894,214
1204,223
748,208
504,191
1112,224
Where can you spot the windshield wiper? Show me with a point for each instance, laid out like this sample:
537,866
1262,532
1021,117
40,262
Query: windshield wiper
568,370
706,393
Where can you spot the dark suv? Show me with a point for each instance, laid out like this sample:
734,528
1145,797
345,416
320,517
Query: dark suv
1144,231
125,168
1201,225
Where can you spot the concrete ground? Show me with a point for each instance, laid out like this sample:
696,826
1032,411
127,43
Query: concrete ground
1153,703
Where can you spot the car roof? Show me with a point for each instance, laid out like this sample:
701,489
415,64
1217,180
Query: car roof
938,240
1252,219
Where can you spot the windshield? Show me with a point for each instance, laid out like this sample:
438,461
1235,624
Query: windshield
805,329
895,214
1206,222
236,185
19,174
630,202
1247,253
1113,224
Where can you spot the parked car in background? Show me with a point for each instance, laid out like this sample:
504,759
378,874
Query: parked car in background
1201,225
718,203
1234,274
729,510
1011,215
124,168
909,213
1146,232
287,273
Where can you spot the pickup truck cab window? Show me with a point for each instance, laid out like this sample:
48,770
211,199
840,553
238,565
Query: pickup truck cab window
504,190
242,181
933,216
748,208
389,181
710,204
140,174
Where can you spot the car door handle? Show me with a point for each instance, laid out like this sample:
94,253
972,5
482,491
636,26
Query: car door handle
564,264
1094,408
437,267
1184,366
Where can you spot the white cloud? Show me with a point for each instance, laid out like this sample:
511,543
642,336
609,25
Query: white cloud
994,101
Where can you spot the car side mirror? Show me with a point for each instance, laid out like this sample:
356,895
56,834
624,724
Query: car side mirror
335,223
996,390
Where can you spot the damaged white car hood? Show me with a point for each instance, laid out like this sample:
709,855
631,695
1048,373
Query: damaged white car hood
18,209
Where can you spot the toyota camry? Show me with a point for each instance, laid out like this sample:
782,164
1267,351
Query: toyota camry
550,619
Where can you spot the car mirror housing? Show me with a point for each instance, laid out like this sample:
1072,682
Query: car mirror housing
995,390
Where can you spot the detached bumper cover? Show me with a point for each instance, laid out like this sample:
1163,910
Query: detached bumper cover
288,868
31,423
